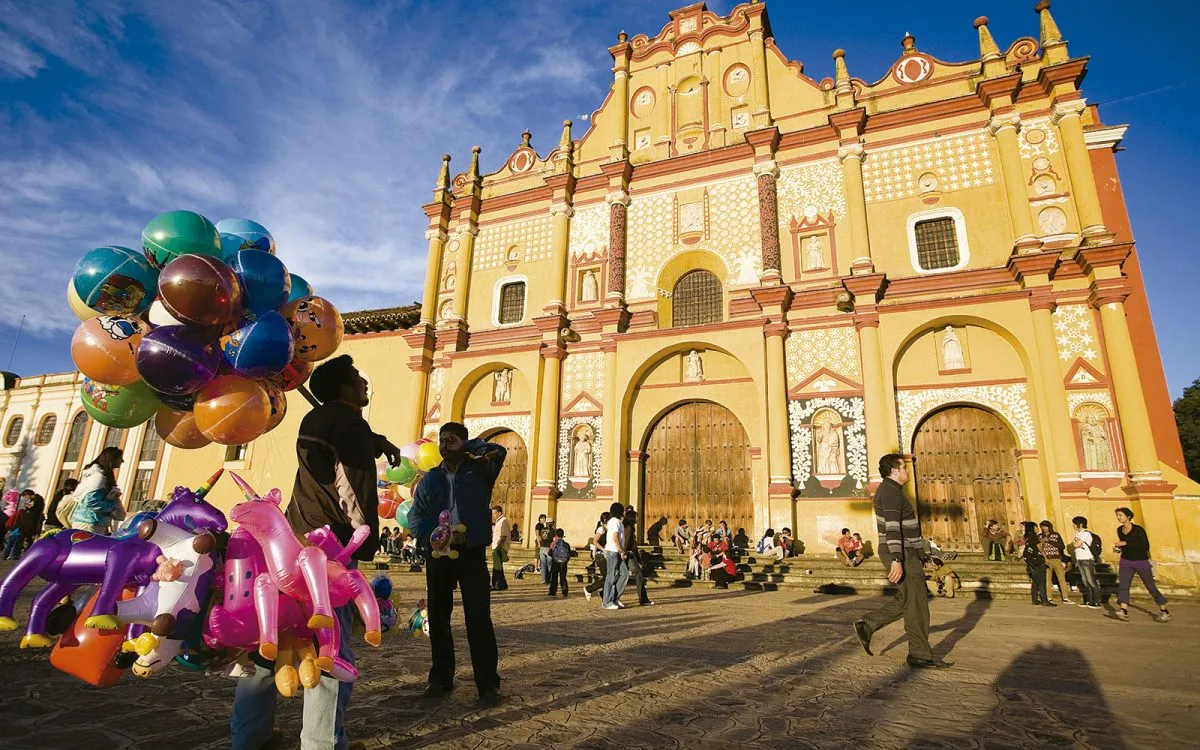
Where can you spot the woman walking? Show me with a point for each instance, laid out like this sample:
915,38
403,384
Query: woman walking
98,499
1035,565
1053,550
1134,547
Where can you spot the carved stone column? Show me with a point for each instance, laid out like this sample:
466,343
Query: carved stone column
766,173
618,203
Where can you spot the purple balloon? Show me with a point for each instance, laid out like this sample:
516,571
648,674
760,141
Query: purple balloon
177,360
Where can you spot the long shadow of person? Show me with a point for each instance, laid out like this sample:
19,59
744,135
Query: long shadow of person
1048,696
958,628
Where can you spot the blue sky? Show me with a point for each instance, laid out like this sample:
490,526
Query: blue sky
325,121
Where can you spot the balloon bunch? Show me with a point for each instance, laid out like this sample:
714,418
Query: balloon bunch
203,330
418,621
382,586
397,482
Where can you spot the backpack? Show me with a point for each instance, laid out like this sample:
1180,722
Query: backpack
562,552
1096,546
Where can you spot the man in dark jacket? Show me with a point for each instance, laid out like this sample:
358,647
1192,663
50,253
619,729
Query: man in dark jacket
902,550
68,488
335,486
462,485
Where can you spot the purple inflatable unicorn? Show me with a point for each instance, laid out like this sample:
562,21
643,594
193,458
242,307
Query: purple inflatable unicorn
70,559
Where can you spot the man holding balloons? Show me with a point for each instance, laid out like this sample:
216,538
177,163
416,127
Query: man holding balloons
335,487
462,485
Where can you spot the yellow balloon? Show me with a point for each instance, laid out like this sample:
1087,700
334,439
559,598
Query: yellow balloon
82,311
428,456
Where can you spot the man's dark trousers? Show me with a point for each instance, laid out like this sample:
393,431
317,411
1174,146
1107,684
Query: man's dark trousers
470,571
558,577
910,603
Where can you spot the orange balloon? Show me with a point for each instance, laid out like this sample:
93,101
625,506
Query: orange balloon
387,507
278,400
316,327
178,428
232,410
105,349
88,653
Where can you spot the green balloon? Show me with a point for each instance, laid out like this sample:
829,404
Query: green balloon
119,406
403,472
176,233
402,514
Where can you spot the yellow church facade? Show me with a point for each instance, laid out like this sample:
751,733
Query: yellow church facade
741,286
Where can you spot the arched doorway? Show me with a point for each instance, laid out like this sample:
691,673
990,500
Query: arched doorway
965,462
697,467
509,491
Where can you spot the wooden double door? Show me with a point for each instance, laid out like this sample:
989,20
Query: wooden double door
697,466
509,490
965,466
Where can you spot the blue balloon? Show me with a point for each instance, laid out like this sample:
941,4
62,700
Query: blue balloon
260,345
244,234
300,288
264,280
115,280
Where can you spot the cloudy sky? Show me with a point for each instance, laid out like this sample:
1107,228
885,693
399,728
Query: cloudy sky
325,121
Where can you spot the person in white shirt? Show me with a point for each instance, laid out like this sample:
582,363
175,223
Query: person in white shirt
617,575
500,540
1085,561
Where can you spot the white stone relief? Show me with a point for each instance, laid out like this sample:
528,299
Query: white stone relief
1009,401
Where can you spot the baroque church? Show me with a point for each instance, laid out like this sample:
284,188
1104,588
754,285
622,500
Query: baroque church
741,286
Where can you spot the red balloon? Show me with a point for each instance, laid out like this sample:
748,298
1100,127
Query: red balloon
388,503
200,290
293,376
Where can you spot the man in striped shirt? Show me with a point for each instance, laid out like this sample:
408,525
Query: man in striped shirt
901,549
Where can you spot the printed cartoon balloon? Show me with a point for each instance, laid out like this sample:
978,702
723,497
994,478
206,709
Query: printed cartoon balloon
178,360
292,376
316,327
200,290
244,234
178,428
105,349
158,315
175,233
264,280
82,311
260,345
232,410
300,287
278,401
115,280
121,406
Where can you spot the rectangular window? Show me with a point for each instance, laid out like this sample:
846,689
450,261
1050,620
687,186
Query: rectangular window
236,452
512,302
140,491
150,443
112,438
937,244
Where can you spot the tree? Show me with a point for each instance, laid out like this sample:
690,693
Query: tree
1187,419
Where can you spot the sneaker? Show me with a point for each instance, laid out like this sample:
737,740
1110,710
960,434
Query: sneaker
587,594
1163,616
1122,615
1082,604
1049,604
1067,601
647,604
1094,606
611,606
619,604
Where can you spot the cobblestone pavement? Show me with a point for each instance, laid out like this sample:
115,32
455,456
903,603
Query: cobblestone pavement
700,669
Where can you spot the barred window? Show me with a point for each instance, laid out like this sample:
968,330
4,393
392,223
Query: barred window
113,438
75,439
937,244
696,300
150,444
14,431
236,452
512,302
45,431
141,488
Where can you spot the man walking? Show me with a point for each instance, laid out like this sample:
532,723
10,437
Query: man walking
335,487
901,549
1084,546
616,576
500,539
544,534
633,557
462,484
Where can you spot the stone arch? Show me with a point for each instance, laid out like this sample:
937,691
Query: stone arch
1010,405
468,382
942,321
677,266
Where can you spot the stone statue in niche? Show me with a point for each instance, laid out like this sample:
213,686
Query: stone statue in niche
693,371
501,386
828,444
448,282
814,254
691,218
1097,449
581,455
590,287
952,351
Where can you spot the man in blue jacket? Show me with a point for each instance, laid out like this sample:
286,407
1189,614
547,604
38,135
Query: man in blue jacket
462,484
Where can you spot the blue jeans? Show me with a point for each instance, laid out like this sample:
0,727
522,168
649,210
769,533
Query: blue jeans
325,705
12,545
544,562
616,578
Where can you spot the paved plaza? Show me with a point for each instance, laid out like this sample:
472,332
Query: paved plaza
702,668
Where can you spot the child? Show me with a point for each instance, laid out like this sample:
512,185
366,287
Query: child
14,539
560,555
943,580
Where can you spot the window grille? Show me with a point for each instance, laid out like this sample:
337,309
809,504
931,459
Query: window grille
75,439
512,302
696,300
112,438
14,431
937,244
150,444
236,452
46,430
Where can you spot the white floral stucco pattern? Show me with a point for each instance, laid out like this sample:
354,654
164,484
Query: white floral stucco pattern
960,162
1075,333
810,190
518,423
1009,401
810,349
589,231
531,235
566,426
1074,400
583,372
800,414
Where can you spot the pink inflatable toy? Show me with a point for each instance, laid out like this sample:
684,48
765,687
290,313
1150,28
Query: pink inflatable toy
315,576
10,502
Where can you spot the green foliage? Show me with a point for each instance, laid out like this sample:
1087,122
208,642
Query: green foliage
1187,418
